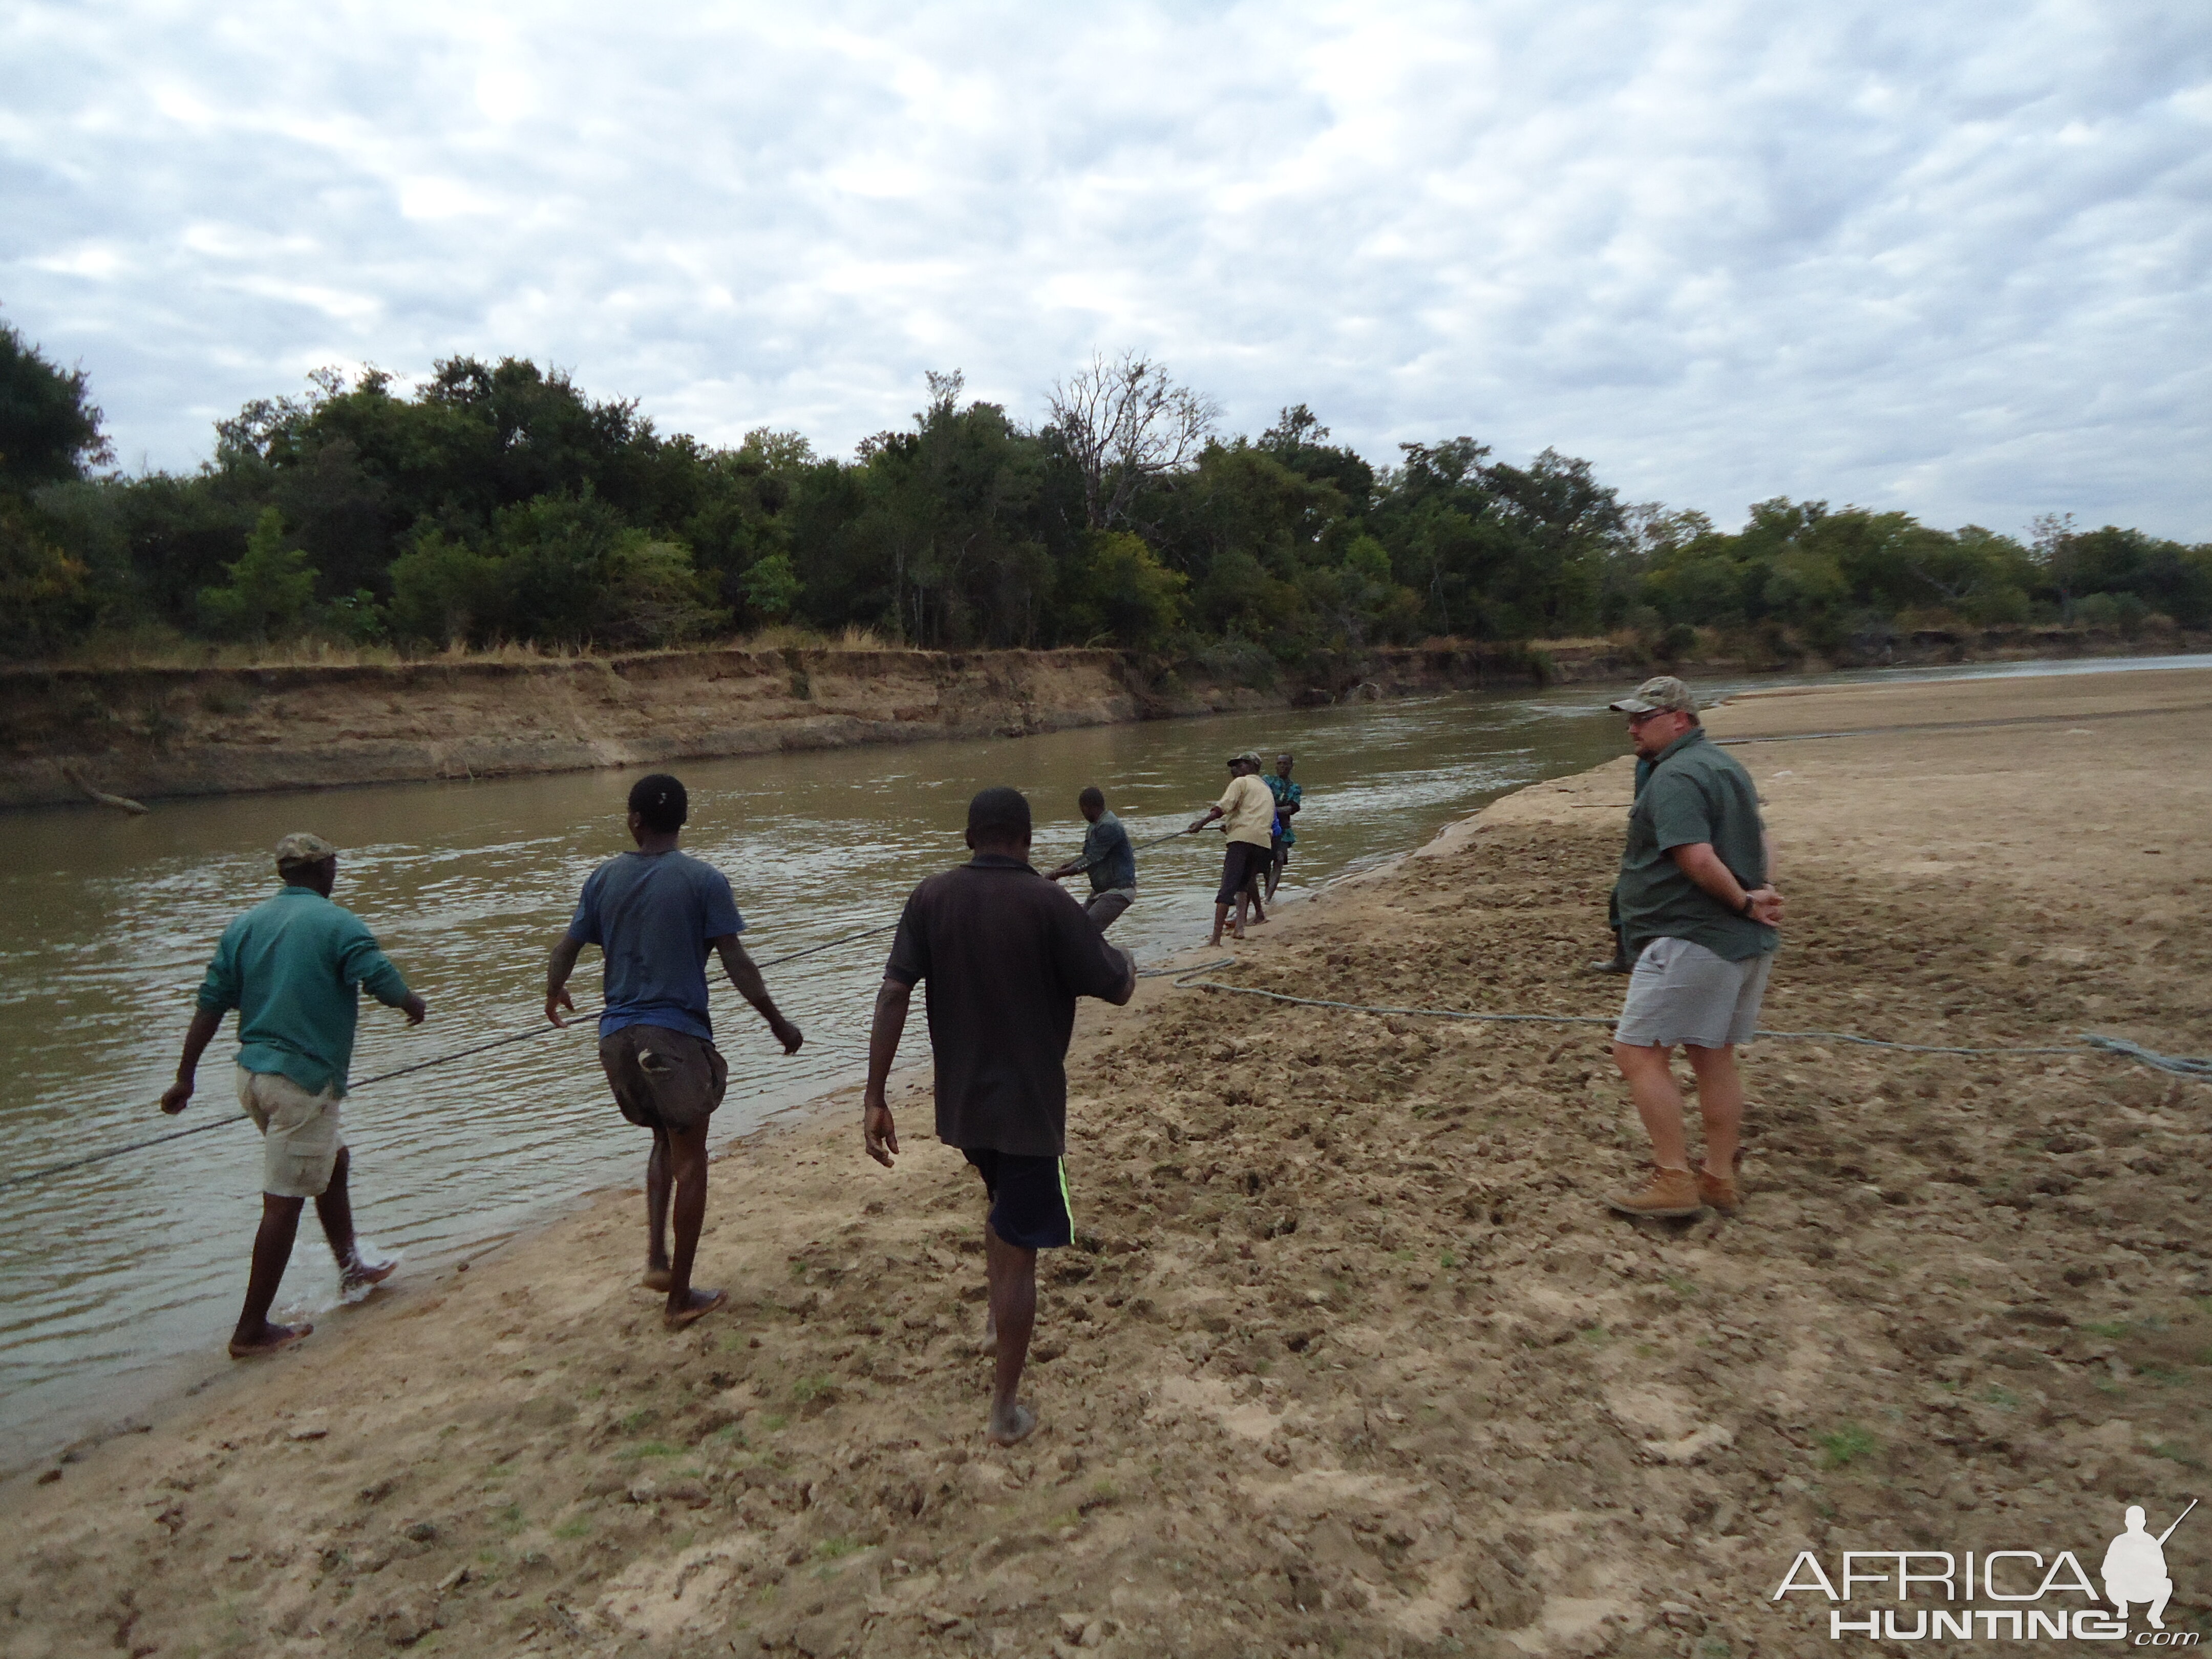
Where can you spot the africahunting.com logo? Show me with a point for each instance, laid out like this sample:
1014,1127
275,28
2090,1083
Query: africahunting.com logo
1932,1593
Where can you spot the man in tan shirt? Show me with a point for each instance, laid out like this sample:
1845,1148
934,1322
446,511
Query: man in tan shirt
1247,811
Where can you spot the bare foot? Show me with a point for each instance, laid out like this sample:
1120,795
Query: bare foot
1013,1427
360,1278
656,1278
697,1305
271,1338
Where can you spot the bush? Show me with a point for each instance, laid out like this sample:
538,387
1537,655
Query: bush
653,595
2097,610
357,618
43,597
444,592
1996,606
771,587
1239,662
270,590
1124,591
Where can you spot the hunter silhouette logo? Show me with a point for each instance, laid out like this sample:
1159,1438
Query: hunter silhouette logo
1926,1588
2135,1567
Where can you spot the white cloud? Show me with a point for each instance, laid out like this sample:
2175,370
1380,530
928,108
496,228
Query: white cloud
1945,258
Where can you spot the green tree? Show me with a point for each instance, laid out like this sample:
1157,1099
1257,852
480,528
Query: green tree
655,595
1121,591
770,587
49,428
270,590
446,592
43,593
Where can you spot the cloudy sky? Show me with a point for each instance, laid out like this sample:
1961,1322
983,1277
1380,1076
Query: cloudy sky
1945,257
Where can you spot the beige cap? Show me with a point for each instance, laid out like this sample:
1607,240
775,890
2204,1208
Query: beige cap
300,847
1249,757
1661,691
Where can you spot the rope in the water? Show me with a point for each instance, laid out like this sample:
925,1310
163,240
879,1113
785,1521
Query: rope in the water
2179,1065
398,1071
52,1170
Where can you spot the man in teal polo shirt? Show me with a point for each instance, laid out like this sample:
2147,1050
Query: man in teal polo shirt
293,967
1289,798
1698,917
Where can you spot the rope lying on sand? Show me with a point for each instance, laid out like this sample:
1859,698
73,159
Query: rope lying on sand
1187,979
2180,1065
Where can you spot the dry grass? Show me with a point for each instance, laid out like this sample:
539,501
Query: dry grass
166,649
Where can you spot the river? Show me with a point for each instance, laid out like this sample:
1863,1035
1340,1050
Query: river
117,1282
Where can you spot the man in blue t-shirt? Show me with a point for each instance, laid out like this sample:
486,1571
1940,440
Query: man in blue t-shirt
655,914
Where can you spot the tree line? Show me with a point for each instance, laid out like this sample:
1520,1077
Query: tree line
499,502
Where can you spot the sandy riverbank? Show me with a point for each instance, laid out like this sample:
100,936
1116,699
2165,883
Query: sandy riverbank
1350,1361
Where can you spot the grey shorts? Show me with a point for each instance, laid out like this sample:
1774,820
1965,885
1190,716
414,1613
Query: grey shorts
1105,909
1683,993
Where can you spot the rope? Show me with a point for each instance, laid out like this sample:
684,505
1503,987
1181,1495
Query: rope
511,1037
2174,1063
2180,1065
50,1169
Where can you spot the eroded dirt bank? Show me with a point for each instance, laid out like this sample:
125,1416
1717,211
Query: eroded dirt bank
191,732
151,733
1349,1360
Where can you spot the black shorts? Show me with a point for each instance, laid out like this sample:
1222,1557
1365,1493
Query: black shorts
1241,865
1029,1198
664,1079
1281,850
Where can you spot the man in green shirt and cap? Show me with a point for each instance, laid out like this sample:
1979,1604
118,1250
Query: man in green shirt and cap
1698,917
293,967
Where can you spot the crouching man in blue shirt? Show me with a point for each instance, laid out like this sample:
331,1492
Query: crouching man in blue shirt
655,914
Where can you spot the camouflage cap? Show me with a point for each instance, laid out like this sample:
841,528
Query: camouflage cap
1663,691
1249,757
300,847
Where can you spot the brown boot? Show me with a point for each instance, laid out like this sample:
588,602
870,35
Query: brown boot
1672,1193
1719,1191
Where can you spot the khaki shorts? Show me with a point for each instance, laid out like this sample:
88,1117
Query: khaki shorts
301,1134
663,1079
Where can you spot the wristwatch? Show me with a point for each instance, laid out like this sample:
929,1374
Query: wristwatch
1745,909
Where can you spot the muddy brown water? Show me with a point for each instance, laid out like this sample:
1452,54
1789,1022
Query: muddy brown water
118,1281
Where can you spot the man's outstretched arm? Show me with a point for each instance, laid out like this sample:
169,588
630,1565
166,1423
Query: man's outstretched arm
744,973
878,1132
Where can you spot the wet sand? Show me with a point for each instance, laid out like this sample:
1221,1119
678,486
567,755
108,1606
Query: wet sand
1350,1359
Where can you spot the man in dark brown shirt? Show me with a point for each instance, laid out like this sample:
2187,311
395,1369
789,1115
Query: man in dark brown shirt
1006,953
